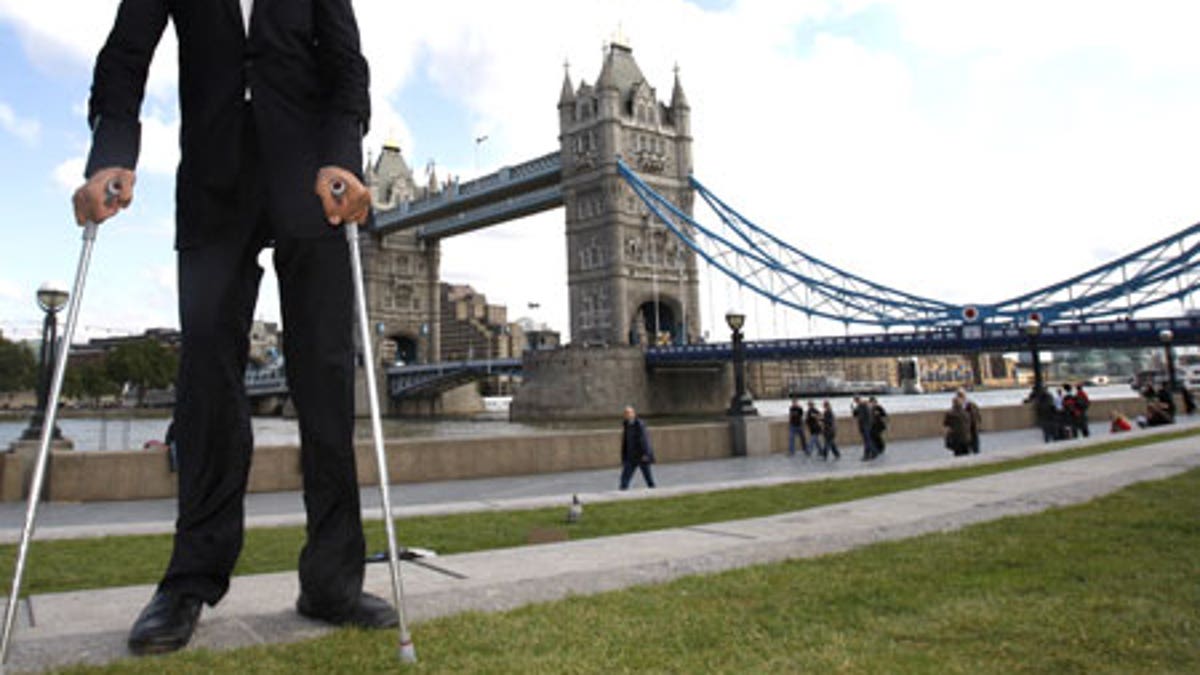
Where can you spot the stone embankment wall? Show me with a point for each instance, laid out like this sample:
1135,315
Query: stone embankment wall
101,476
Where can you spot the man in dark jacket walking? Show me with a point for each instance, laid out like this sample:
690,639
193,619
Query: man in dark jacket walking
861,411
636,451
274,105
829,429
796,428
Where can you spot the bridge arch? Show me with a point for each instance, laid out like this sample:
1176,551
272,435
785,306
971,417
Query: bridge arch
657,322
401,349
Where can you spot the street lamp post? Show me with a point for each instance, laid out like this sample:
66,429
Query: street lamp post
741,404
1166,336
51,297
1033,328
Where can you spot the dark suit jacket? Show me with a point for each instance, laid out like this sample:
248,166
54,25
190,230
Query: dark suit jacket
635,443
308,83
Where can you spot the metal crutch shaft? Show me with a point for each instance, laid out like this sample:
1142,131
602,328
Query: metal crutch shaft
407,653
39,470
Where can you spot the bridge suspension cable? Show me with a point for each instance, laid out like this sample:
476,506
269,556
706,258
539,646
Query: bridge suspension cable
765,265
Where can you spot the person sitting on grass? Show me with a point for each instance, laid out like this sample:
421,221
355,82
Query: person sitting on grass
1119,422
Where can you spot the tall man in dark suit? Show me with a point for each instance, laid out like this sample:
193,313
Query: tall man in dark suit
274,105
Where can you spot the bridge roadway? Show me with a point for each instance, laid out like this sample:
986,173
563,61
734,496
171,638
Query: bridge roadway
510,193
965,339
406,381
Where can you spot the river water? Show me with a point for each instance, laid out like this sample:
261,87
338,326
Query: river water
117,431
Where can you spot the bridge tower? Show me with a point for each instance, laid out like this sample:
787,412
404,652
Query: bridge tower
629,278
401,271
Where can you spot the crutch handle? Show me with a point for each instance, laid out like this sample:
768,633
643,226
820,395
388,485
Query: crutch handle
112,190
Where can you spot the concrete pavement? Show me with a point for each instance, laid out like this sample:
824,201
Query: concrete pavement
59,520
90,626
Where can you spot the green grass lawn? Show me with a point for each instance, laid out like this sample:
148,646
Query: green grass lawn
1112,586
128,560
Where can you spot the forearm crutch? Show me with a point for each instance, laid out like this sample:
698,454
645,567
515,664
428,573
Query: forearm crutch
408,652
43,455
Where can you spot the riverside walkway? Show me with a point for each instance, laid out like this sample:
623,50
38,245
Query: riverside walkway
91,626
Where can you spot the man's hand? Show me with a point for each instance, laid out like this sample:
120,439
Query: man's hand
93,201
350,206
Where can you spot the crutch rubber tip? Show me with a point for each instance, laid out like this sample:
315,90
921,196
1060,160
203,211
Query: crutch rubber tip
408,653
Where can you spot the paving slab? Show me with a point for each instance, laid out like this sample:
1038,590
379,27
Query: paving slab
90,626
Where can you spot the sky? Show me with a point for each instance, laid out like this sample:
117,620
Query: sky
958,149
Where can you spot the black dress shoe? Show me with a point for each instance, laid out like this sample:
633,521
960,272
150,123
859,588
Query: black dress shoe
368,611
166,624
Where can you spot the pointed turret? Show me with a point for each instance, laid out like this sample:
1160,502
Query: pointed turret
678,98
567,97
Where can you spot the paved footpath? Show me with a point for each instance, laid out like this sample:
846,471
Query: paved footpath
90,626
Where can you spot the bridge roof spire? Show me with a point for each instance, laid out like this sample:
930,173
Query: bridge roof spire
567,96
678,98
620,71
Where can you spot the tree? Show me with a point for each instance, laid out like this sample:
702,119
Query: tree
18,367
89,382
142,364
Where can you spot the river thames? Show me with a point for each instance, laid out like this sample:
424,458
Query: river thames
117,431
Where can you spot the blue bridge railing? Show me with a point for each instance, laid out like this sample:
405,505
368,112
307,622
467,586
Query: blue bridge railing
952,340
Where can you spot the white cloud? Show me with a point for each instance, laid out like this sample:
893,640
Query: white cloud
975,151
9,290
68,175
26,129
159,152
160,141
67,35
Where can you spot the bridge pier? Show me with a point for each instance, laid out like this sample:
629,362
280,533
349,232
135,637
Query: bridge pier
463,401
579,383
269,406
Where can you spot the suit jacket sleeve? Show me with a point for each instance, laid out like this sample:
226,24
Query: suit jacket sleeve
347,113
119,83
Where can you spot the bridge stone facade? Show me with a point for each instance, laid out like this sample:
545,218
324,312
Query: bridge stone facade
401,271
630,279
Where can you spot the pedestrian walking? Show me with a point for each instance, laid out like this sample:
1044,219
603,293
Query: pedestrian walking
975,417
1047,417
957,424
796,427
1167,400
861,412
812,423
636,450
1070,412
1189,402
1082,403
879,425
274,106
1062,420
829,430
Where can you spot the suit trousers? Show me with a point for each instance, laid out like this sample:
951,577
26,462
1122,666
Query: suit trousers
218,288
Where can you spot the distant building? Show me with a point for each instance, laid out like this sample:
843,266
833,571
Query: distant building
266,343
471,328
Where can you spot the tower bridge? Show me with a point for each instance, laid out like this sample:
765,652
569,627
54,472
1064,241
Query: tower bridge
623,176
